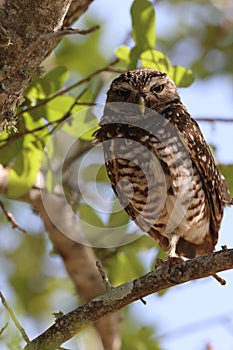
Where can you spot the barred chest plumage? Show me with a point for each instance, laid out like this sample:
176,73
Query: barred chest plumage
162,195
159,164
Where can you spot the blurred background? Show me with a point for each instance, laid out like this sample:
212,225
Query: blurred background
194,316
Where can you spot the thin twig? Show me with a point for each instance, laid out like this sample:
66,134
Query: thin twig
14,319
214,120
107,284
3,328
10,218
219,279
70,31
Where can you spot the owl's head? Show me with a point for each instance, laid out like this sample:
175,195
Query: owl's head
144,87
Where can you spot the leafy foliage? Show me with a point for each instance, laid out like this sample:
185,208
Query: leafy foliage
143,33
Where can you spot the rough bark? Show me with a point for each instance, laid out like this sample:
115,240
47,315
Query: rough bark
116,298
24,45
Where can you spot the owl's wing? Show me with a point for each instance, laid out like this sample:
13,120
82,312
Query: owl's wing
214,183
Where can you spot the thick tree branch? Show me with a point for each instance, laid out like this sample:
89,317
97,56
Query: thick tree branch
116,298
23,25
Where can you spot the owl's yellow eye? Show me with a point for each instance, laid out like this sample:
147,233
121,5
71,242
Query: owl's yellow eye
157,88
123,92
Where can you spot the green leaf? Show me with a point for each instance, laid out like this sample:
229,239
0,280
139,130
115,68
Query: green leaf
134,56
118,217
123,53
81,125
88,215
9,149
143,23
23,173
143,29
42,88
59,106
54,80
155,59
181,76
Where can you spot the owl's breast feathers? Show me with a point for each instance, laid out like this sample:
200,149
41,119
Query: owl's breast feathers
161,168
178,144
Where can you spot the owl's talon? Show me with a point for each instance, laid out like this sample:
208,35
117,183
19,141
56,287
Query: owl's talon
159,262
175,260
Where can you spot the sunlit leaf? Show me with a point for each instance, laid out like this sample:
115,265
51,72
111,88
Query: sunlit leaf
181,76
143,24
23,173
58,107
143,29
134,56
155,59
123,53
81,125
42,87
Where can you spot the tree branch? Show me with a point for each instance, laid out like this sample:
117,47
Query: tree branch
116,298
76,9
214,120
22,46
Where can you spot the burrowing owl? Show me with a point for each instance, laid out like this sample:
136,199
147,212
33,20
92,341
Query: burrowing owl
159,164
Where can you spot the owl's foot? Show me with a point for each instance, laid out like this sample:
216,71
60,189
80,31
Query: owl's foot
175,260
174,267
173,240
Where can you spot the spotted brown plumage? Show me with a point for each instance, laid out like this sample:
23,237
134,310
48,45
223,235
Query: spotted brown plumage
159,164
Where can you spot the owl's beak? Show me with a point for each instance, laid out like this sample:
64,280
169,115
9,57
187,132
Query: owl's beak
141,104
